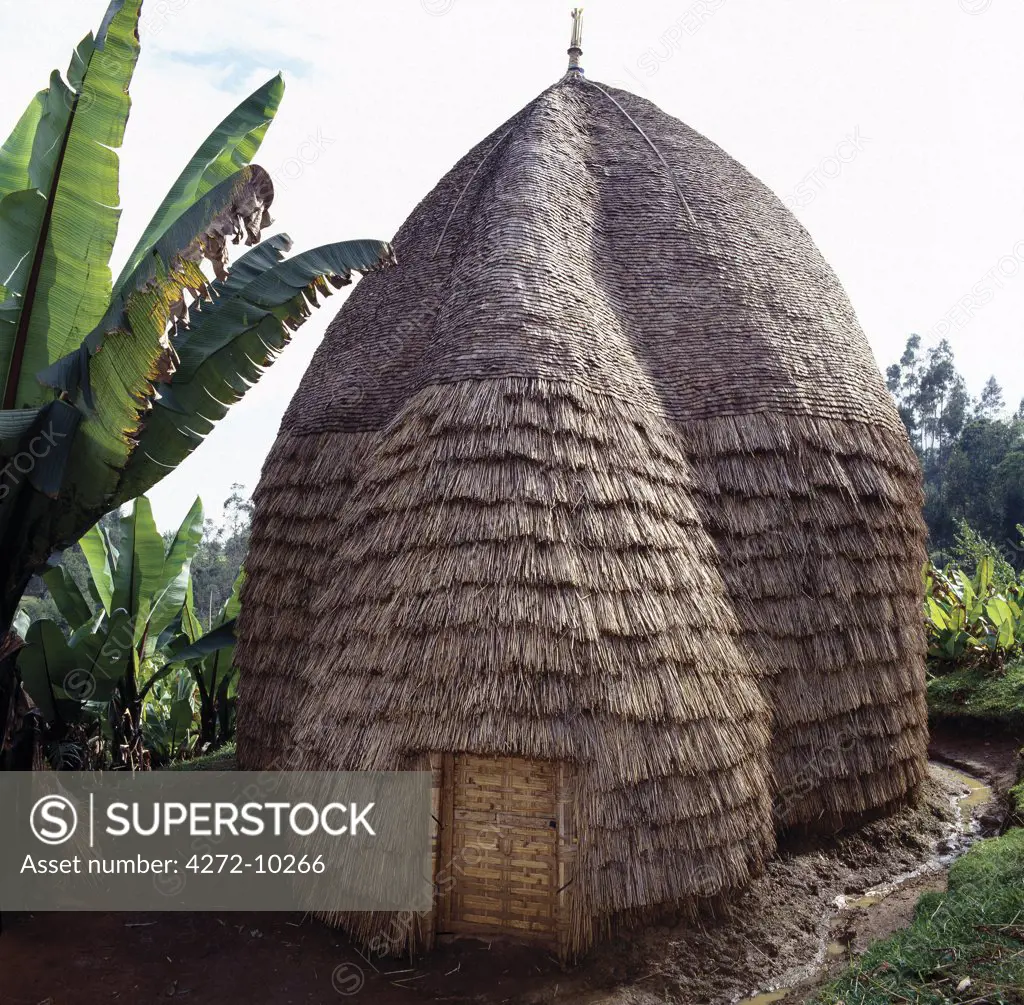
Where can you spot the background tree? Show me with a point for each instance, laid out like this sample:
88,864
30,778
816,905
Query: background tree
221,554
972,454
990,404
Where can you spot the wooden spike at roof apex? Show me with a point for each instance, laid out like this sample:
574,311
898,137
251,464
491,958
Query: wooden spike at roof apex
575,45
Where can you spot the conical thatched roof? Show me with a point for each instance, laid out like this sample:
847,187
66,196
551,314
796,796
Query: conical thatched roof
602,472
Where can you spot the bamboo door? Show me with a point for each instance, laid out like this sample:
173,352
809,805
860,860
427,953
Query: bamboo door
500,847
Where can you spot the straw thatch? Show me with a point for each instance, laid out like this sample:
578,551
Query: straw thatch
604,473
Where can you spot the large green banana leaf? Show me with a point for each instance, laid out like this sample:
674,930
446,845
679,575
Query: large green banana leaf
209,654
147,604
21,219
229,342
141,577
74,164
47,117
100,556
221,637
115,421
14,424
45,663
280,291
46,435
216,672
70,600
230,147
182,709
191,626
145,304
140,566
175,576
186,630
16,153
118,381
61,675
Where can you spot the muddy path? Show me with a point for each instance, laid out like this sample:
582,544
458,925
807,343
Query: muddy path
796,925
877,912
994,758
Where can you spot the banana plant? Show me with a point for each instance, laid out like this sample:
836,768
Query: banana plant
167,719
970,621
136,627
106,385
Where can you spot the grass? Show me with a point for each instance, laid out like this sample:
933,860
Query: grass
220,760
1015,797
975,930
993,697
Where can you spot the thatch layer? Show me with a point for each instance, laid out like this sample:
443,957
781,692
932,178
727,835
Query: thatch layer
297,504
504,594
821,542
602,472
558,248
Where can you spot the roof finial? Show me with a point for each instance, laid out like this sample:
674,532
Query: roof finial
575,50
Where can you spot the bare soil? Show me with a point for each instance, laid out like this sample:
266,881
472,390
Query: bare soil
995,758
779,934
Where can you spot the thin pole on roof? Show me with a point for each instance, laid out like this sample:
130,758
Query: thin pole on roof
575,45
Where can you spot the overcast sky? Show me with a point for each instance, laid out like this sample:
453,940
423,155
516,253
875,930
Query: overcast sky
893,128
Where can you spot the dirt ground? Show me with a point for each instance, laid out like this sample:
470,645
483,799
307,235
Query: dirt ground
780,934
994,759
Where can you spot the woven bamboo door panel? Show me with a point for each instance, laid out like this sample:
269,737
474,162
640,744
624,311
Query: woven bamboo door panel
504,844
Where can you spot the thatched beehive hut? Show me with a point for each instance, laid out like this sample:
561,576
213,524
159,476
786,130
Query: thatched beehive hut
596,504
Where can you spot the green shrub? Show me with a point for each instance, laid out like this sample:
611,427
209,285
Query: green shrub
970,547
972,621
